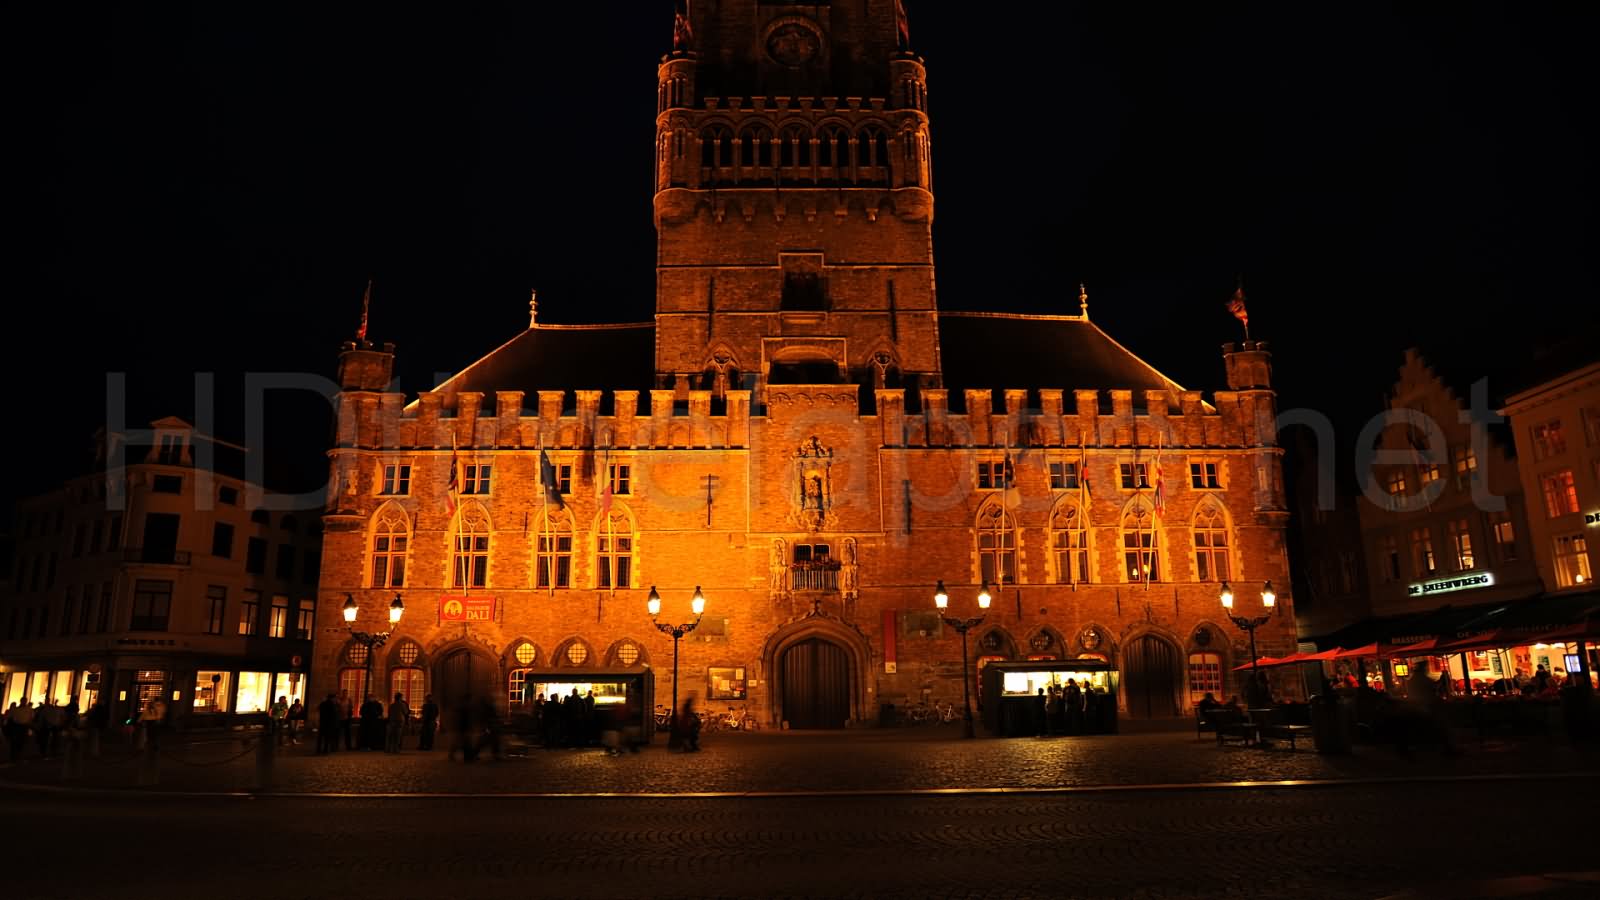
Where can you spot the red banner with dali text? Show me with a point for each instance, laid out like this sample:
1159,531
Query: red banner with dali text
466,609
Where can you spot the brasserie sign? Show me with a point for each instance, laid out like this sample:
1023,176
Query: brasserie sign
1591,519
1446,585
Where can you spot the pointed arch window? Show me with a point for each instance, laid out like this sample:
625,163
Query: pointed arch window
553,557
1140,551
1069,536
1211,544
471,557
614,550
391,541
997,545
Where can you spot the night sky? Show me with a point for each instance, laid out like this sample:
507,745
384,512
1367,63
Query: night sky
208,188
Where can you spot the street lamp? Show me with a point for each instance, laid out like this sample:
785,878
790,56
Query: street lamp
372,640
1269,600
698,604
941,599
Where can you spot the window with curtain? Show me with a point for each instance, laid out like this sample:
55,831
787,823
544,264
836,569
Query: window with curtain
390,541
1140,551
997,545
1211,544
1069,535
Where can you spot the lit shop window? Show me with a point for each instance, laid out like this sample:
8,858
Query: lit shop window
1572,561
255,692
211,691
1205,676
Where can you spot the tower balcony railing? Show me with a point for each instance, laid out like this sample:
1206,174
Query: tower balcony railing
814,575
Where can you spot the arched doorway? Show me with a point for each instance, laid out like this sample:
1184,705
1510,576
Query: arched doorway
1151,677
462,676
816,684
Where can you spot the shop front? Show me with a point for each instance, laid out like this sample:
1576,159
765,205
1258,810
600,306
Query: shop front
612,690
1021,698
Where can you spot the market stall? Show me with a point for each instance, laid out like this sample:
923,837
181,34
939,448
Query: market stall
1012,704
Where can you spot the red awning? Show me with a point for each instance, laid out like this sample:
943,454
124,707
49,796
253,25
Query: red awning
1368,650
1321,657
1263,662
1583,631
1420,648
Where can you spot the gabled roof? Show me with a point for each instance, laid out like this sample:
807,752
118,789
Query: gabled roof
565,358
1001,351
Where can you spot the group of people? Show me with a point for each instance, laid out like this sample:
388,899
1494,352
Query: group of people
50,724
576,720
1069,709
372,726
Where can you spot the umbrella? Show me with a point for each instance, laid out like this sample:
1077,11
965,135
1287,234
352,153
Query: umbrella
1420,648
1368,650
1263,662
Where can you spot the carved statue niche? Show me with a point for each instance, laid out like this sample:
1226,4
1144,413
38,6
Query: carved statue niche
721,364
813,483
882,362
778,568
849,580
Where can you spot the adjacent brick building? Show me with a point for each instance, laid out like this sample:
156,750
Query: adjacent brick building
160,574
803,433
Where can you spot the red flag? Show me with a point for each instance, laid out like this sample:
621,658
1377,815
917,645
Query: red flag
453,484
366,300
902,26
1236,306
1161,487
682,33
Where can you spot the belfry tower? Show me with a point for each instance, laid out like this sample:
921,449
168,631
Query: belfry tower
794,200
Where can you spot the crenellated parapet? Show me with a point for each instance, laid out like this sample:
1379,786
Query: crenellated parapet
438,420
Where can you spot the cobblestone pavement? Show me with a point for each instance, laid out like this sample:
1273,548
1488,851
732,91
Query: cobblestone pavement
872,760
1346,841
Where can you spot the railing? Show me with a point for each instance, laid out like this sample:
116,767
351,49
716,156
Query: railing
156,556
817,575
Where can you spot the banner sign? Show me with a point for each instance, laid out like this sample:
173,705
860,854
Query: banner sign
1446,585
466,609
1591,519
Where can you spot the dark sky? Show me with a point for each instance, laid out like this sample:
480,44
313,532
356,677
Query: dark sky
206,188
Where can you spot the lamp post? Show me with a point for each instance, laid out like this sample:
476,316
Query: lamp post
1249,624
698,604
942,600
372,640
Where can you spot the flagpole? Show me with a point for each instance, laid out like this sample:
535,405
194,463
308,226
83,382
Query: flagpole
546,544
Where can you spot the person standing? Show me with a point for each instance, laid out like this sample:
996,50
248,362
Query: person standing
399,715
327,725
430,723
297,720
372,724
19,719
347,710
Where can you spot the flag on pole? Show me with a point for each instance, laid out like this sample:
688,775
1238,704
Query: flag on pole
453,484
605,516
550,481
366,301
1236,306
682,33
1160,482
902,26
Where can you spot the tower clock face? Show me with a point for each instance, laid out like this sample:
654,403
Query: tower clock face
793,43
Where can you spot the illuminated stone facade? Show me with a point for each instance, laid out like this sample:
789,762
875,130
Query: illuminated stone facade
808,437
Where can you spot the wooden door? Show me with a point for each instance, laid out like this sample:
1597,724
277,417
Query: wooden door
1150,671
816,684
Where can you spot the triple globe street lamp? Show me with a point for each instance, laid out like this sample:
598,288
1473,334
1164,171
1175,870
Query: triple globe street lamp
941,599
372,640
698,605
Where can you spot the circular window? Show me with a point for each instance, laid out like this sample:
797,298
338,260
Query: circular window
990,641
1041,641
628,653
1202,637
1090,638
525,653
409,653
357,654
577,653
